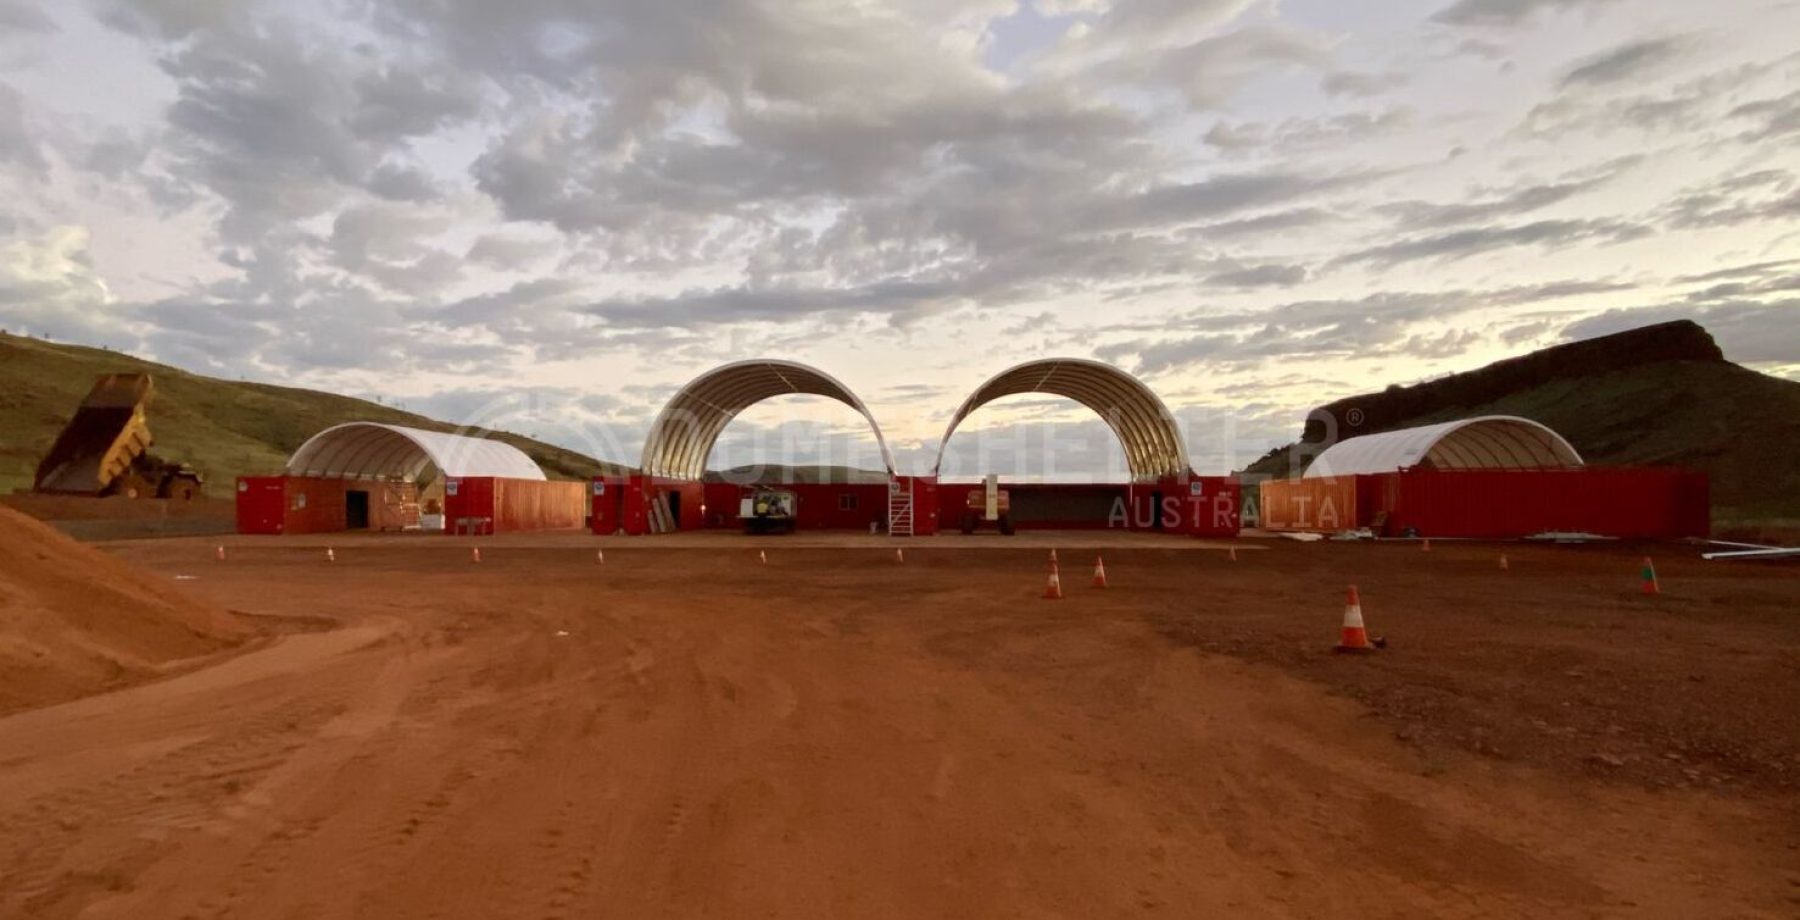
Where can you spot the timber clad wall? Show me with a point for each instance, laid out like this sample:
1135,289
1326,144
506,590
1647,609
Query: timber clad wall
491,504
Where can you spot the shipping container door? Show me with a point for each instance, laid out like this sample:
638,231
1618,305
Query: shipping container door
356,510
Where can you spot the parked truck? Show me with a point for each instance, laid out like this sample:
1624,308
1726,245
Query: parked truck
105,448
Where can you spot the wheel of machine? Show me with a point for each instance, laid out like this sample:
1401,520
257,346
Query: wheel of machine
1006,524
968,522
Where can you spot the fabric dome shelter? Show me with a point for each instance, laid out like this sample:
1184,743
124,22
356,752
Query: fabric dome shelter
372,450
1490,442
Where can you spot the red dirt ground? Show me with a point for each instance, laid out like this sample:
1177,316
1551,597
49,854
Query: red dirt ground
74,621
685,732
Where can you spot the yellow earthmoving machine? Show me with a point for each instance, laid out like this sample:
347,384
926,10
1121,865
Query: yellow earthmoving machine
104,450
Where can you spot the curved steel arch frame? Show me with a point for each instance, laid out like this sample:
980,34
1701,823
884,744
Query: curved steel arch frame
684,433
1154,447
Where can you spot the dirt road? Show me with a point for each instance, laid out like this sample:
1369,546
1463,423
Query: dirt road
685,732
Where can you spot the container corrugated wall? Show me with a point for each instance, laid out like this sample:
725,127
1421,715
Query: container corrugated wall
1617,502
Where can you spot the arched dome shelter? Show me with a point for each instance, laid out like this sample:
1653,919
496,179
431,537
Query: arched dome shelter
370,450
686,429
1490,442
1153,444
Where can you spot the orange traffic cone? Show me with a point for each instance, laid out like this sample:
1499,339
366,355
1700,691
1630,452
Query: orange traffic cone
900,555
1427,544
1053,557
219,553
474,554
599,557
1504,565
1354,638
330,554
1053,587
763,555
1651,585
1231,553
1099,572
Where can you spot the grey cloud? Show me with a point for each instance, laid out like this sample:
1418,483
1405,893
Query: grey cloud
173,19
1628,61
1765,195
1217,196
17,145
385,244
1361,85
1272,222
1771,268
24,16
1381,324
1461,244
508,253
709,307
1689,106
1270,275
1209,71
1779,117
281,130
403,183
1501,12
1302,134
1521,201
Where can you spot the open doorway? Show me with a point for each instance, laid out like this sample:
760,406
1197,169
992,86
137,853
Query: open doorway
356,510
674,510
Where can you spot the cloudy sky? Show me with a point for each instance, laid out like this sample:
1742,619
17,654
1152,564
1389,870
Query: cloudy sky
547,214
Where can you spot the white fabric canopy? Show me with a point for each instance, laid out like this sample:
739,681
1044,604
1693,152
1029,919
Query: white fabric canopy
1489,442
371,450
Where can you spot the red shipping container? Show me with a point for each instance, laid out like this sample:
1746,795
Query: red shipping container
927,518
491,504
606,511
817,505
686,499
299,504
1198,505
261,504
1629,502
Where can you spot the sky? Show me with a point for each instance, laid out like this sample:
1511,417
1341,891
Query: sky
547,215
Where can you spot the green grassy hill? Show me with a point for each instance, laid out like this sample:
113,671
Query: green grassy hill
224,428
1630,399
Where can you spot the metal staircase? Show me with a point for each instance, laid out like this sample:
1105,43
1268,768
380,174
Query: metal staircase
900,509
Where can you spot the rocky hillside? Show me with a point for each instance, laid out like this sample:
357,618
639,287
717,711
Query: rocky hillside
1659,395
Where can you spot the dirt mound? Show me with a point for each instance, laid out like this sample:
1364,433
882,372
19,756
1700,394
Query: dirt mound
75,621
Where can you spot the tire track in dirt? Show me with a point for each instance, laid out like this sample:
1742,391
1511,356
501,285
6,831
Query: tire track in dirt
115,819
